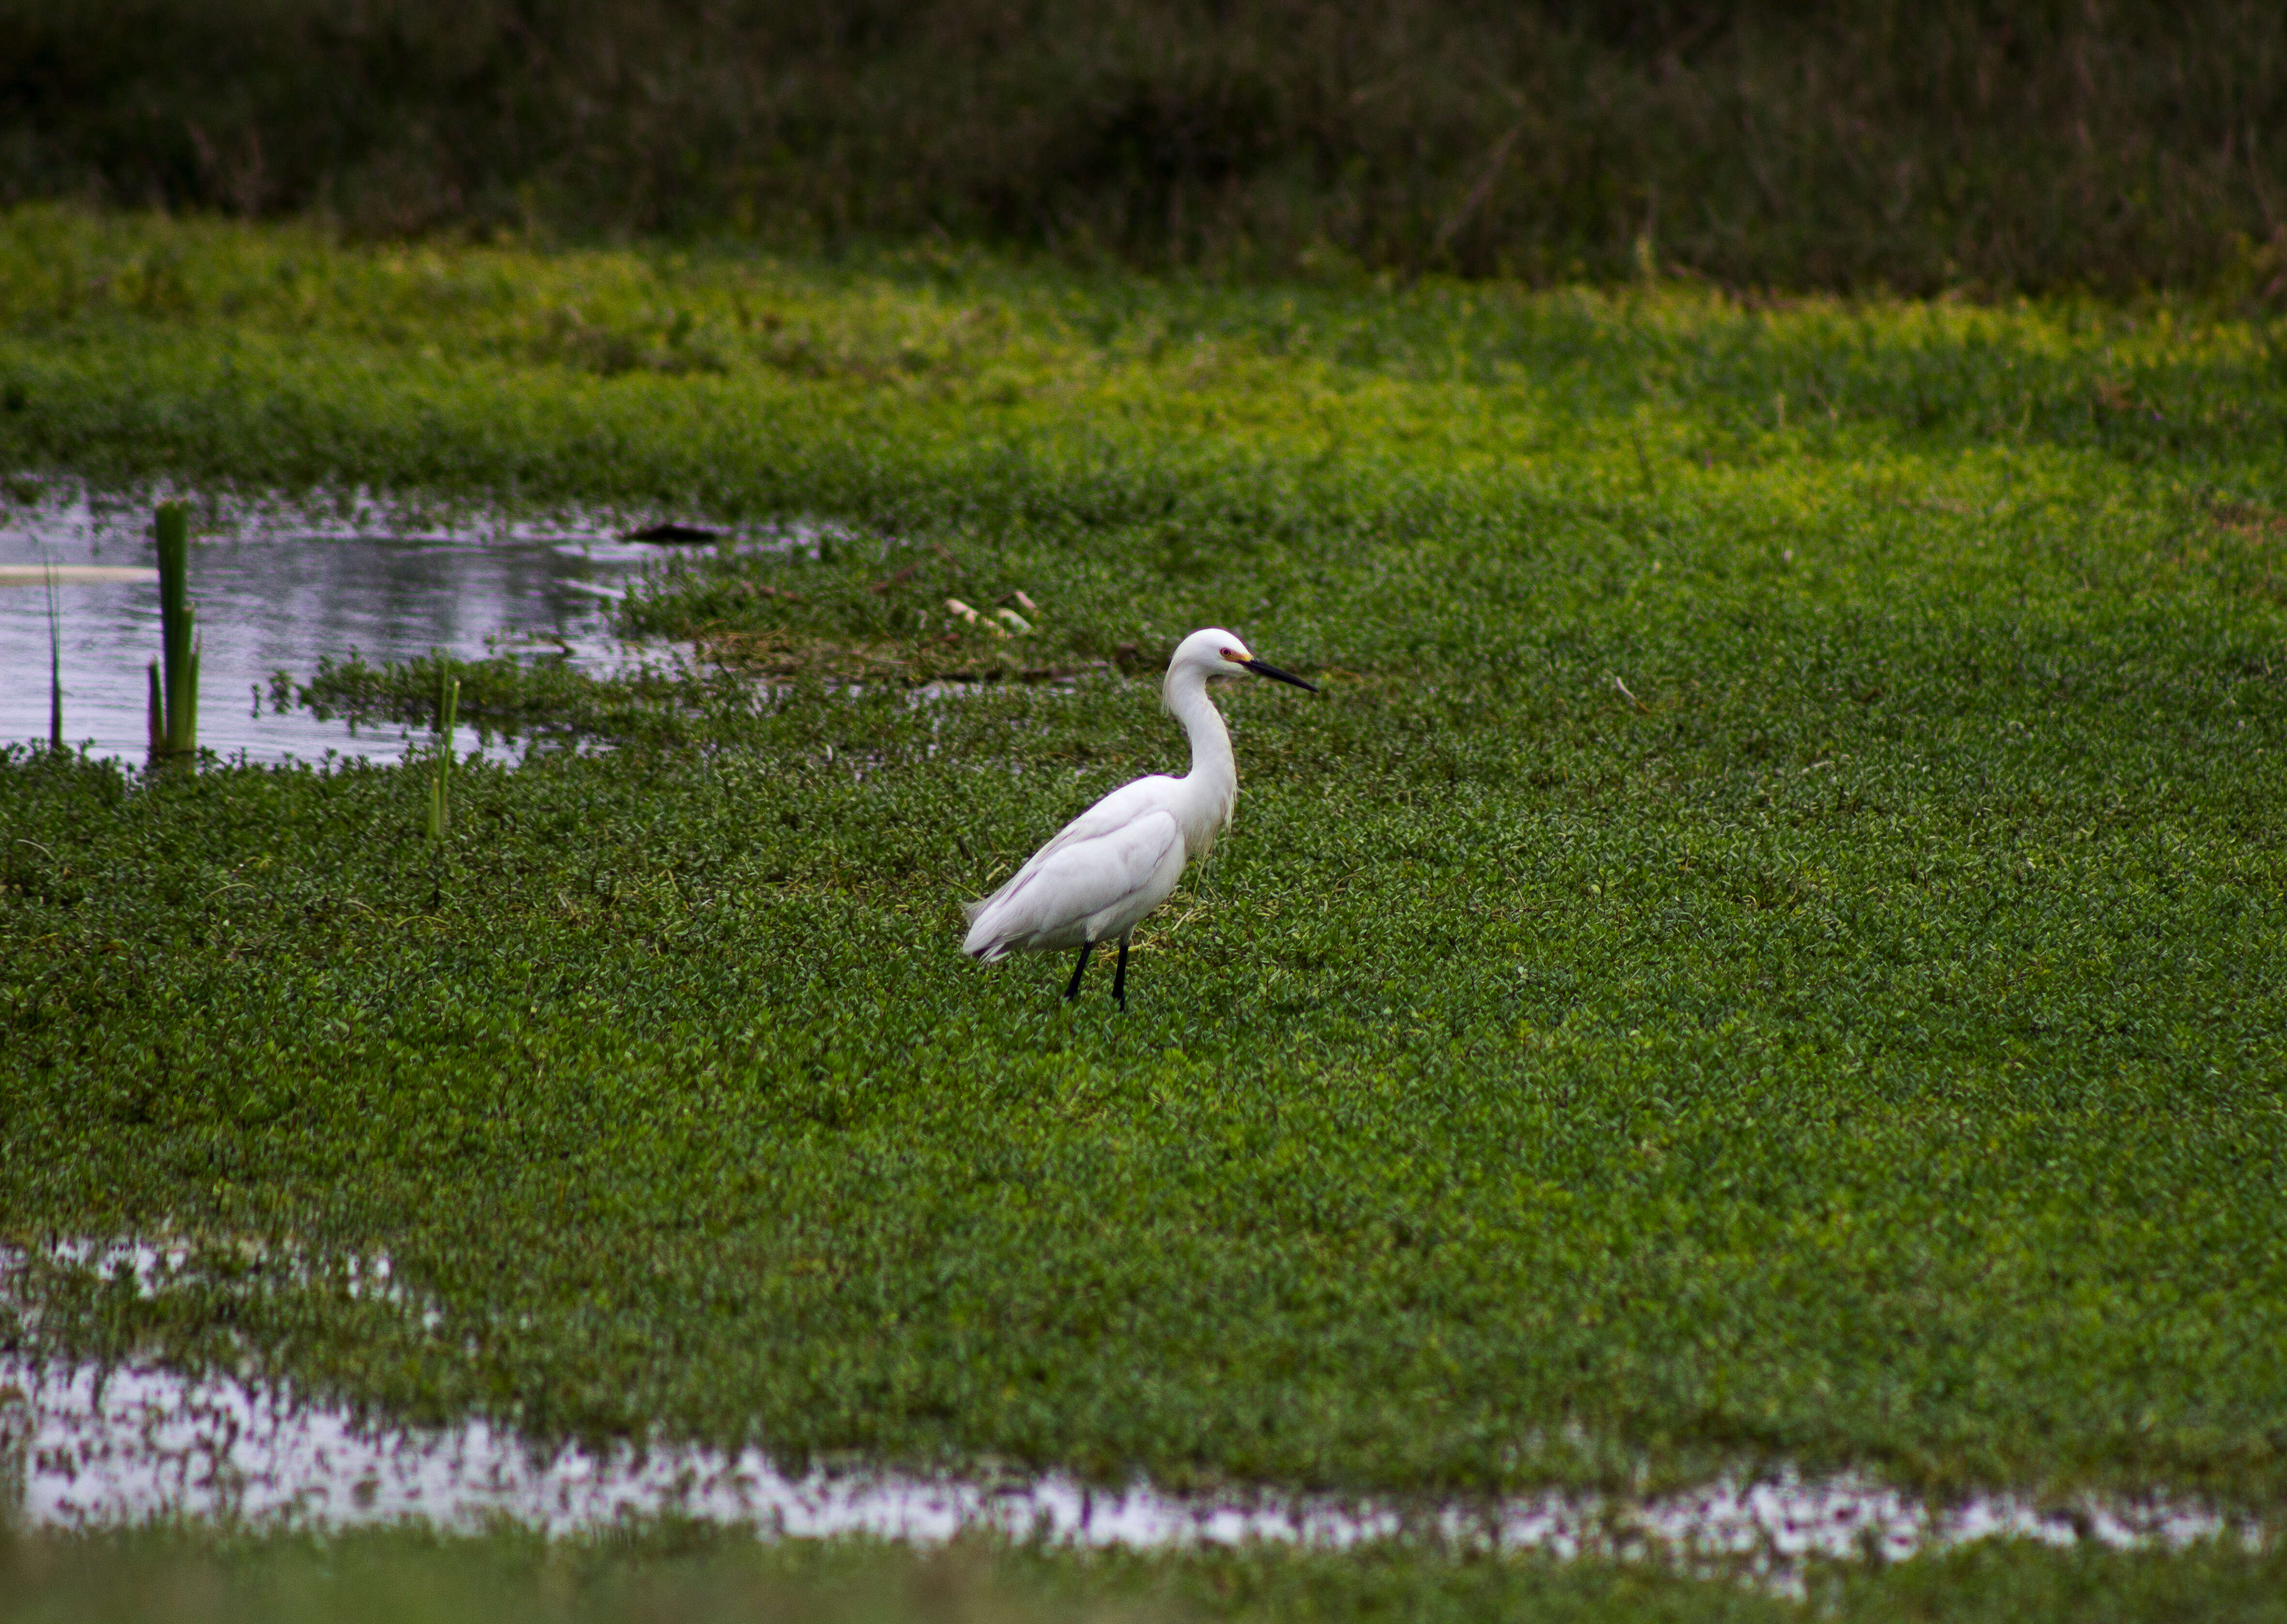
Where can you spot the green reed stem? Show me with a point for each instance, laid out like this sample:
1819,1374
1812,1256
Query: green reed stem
448,708
55,666
177,617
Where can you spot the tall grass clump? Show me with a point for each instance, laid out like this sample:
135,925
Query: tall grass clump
2033,146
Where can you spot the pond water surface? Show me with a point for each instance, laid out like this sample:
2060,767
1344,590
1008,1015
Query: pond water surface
279,592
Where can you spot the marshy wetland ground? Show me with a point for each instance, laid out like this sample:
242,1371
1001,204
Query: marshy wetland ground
1767,954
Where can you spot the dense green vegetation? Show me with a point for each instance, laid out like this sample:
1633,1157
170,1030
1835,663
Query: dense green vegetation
1767,948
1875,144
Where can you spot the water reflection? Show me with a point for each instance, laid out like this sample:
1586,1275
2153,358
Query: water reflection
281,593
85,1448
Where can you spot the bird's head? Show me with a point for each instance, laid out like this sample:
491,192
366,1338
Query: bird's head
1217,653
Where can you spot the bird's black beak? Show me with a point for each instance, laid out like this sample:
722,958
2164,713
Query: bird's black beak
1261,669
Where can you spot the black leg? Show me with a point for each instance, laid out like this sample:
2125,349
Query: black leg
1072,991
1119,977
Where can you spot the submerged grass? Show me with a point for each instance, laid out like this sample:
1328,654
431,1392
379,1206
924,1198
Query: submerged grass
1767,948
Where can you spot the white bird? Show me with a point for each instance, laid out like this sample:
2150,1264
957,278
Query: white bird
1118,859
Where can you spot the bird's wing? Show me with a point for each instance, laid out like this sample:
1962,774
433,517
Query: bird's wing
1117,810
1107,816
1077,875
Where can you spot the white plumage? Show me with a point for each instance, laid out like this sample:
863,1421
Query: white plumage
1118,860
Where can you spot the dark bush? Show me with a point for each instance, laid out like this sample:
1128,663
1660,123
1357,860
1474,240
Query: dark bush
1922,145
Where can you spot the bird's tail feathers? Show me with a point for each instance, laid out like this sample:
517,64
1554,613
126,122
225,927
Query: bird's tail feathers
985,946
990,938
983,942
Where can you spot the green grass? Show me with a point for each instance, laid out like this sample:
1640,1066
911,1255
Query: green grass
1859,1042
695,1575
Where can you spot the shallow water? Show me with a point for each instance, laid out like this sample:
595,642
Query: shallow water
128,1446
87,1447
281,591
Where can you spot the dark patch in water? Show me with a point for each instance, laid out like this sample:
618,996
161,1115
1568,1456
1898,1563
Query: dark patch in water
671,534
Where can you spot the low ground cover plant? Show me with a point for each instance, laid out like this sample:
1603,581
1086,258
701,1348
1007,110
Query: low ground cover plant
1766,950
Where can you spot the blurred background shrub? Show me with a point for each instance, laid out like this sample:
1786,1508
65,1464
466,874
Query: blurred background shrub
2108,144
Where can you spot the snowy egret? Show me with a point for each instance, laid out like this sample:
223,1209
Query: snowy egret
1118,859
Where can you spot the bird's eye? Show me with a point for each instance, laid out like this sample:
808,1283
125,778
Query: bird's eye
1236,656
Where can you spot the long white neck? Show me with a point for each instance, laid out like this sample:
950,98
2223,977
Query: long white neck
1212,786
